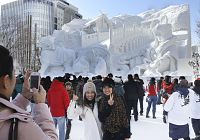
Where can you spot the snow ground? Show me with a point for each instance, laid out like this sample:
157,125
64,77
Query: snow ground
143,129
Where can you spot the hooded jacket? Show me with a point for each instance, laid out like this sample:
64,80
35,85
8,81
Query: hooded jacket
177,107
58,99
40,127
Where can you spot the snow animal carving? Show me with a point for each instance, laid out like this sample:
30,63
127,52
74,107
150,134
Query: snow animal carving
92,60
53,56
161,65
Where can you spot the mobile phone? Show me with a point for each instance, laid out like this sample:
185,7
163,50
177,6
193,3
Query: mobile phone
35,80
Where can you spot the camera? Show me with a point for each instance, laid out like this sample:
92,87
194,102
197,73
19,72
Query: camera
35,80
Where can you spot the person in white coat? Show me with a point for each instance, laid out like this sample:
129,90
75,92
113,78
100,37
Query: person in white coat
177,108
195,108
88,111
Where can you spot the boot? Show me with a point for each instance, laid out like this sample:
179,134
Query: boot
154,116
164,119
147,115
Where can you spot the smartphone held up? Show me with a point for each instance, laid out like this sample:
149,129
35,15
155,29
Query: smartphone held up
35,80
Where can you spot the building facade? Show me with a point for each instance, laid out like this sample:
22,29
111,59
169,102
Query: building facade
24,22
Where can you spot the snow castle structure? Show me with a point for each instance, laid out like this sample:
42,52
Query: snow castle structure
151,44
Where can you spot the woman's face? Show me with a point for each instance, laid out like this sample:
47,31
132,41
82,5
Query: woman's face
90,95
107,90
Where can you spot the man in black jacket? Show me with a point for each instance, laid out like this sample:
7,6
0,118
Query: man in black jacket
141,91
131,96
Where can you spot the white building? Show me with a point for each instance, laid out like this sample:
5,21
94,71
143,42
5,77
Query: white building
24,22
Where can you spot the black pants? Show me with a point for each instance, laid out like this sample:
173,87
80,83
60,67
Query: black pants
69,125
196,126
183,138
141,104
132,104
112,136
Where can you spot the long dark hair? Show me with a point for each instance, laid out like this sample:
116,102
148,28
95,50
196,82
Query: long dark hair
83,101
6,63
197,87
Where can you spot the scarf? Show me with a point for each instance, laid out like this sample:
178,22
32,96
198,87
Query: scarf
118,118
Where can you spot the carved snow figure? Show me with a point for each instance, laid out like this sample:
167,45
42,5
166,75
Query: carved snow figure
160,66
54,56
135,44
94,60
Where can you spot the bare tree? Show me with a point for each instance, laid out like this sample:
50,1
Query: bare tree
16,35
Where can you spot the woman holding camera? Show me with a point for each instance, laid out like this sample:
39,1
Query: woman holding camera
15,122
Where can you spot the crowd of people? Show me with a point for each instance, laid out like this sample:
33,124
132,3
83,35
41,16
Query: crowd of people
106,105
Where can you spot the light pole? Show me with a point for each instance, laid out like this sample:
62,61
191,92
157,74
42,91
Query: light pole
195,63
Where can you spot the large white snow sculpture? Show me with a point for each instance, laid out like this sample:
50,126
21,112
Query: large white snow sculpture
150,43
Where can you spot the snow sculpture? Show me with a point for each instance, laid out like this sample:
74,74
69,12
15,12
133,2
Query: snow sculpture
54,56
163,65
150,43
94,60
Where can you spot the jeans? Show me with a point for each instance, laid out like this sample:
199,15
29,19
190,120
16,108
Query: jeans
159,97
153,101
196,126
60,121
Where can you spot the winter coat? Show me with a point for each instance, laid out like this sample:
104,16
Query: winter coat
141,91
131,90
152,90
58,99
40,127
194,105
119,89
177,107
167,87
90,118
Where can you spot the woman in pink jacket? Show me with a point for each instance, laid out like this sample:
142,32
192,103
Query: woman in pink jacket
15,122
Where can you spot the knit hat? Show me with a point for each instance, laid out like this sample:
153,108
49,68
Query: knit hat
68,83
108,82
89,86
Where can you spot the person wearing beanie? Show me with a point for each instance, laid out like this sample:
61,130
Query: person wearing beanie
177,110
71,92
195,108
88,110
113,114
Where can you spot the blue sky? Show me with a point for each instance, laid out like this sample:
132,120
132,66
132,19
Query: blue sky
92,8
